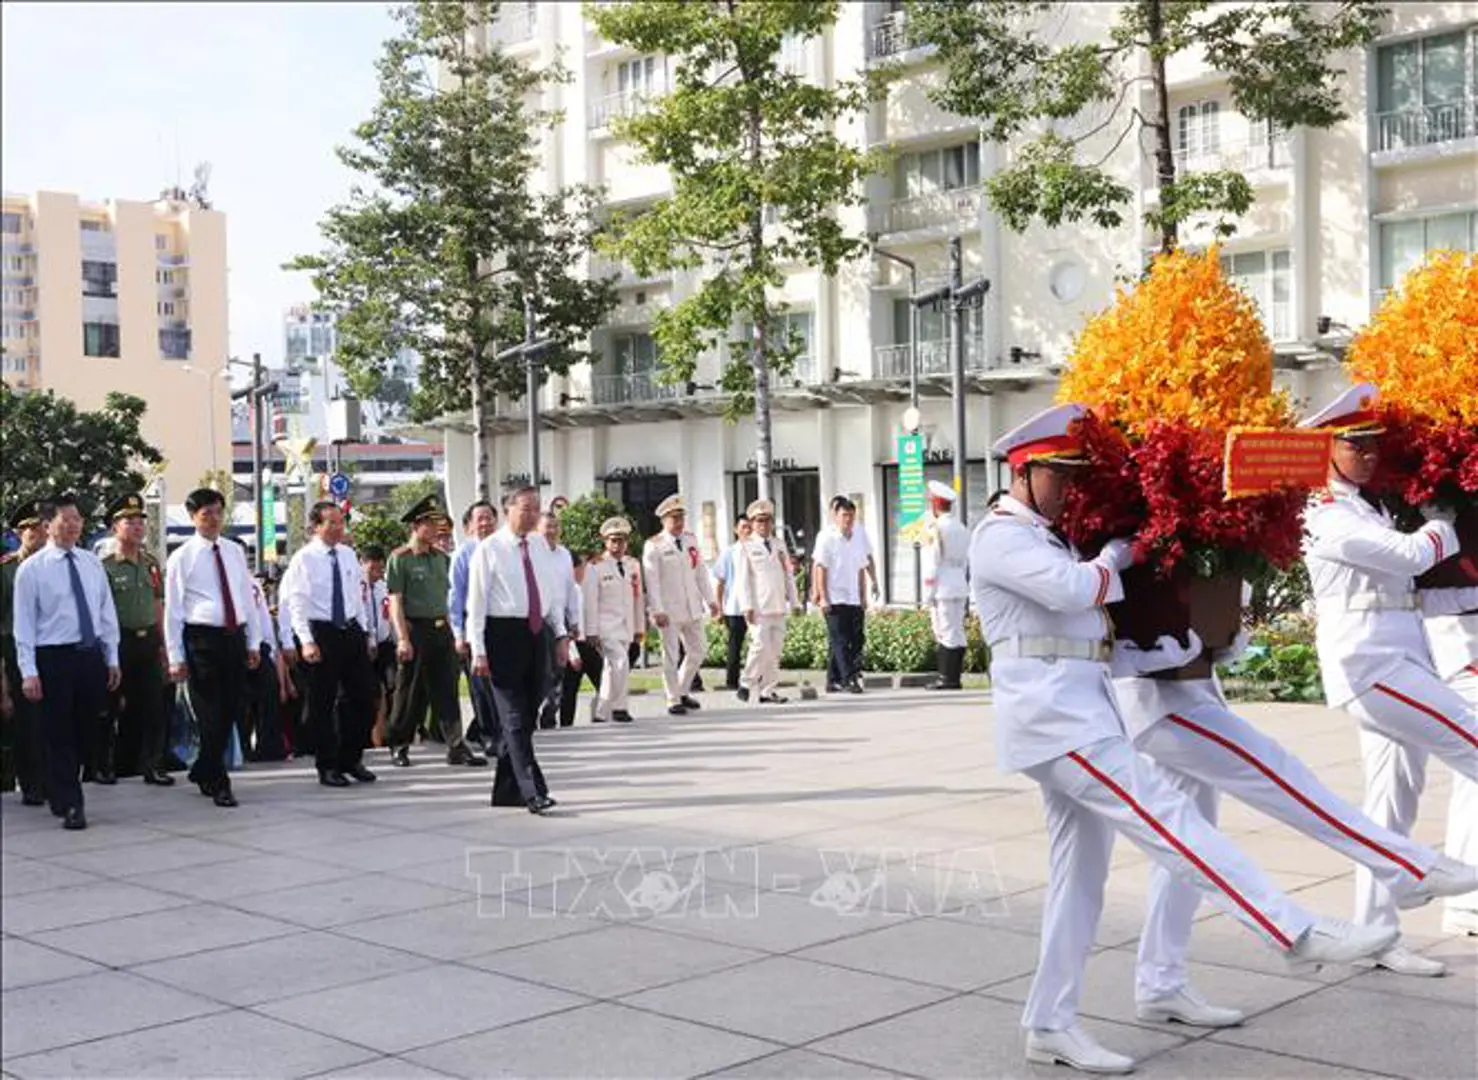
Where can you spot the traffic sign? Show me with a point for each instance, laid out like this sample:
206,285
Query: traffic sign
338,485
913,505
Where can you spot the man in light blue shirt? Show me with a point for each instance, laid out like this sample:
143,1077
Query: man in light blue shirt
728,599
479,521
66,642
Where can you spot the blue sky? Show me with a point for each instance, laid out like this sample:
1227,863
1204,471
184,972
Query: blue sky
97,96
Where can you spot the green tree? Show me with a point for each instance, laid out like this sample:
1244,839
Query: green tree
49,446
580,522
379,523
1007,67
740,135
442,249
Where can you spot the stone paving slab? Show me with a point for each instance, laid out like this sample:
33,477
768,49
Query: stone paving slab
812,891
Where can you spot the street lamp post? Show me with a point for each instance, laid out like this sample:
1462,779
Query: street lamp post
913,383
529,351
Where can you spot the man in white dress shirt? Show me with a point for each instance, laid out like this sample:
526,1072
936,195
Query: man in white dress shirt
325,592
679,601
1043,613
66,642
513,592
1373,650
842,560
212,635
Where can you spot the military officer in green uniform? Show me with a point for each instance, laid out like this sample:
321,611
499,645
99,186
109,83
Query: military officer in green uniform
417,577
26,743
137,581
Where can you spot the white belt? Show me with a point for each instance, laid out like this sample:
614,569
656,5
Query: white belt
1372,601
1054,648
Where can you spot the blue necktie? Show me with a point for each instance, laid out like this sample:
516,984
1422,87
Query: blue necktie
336,612
84,613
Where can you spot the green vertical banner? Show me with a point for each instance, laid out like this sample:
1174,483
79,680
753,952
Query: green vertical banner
269,522
913,502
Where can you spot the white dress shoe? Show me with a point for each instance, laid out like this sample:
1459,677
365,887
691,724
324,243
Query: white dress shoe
1447,878
1076,1049
1460,921
1333,941
1402,961
1188,1007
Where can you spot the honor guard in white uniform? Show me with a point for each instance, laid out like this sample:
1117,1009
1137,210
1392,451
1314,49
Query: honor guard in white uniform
679,599
1179,717
1042,611
946,559
613,614
767,594
1451,617
1372,646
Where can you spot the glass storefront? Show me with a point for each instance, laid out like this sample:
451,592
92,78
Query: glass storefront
982,480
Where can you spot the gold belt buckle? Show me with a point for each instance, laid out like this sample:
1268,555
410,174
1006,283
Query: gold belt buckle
141,633
439,623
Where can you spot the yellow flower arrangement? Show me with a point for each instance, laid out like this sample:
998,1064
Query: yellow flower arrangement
1185,346
1421,349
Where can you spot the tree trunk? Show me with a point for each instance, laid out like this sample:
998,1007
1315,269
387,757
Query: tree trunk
759,361
1164,150
481,416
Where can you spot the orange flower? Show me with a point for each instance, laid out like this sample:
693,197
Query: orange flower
1421,348
1185,346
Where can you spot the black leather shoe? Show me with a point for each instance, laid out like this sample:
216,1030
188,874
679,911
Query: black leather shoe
30,798
541,805
223,798
360,773
401,758
158,779
691,703
677,710
621,716
75,819
834,688
742,693
106,777
89,775
207,790
463,755
854,688
333,778
773,699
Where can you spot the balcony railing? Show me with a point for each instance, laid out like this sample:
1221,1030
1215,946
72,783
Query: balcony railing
624,273
888,36
618,106
1240,156
802,373
926,211
1426,126
630,387
516,23
891,361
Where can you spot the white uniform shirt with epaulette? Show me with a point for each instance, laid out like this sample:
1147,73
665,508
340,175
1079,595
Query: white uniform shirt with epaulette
677,582
946,559
612,606
1027,583
1361,569
766,586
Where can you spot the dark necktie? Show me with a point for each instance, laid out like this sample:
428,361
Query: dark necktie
84,613
531,586
769,547
227,603
679,543
336,608
620,567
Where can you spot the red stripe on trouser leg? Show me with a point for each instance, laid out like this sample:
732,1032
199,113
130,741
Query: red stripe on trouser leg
1185,852
1428,710
1296,795
1473,668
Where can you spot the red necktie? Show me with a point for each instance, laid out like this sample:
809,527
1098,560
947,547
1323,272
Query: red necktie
531,586
226,600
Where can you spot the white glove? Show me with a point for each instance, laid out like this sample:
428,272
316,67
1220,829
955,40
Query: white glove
1433,512
1117,554
1233,652
1168,654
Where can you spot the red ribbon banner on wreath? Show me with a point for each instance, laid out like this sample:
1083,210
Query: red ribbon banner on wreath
1260,461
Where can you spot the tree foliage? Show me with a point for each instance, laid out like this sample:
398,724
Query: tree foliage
380,524
740,136
441,248
580,522
1009,65
49,446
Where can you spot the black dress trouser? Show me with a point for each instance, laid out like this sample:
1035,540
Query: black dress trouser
27,739
74,690
216,659
738,628
429,677
519,663
340,734
592,666
844,636
139,703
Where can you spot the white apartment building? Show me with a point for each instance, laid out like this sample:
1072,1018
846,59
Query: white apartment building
1340,215
127,296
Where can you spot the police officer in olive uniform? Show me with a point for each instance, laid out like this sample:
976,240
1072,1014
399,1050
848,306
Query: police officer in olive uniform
25,718
417,577
137,582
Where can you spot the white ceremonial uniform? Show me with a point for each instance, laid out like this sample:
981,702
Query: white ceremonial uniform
767,588
679,588
1376,662
1189,730
946,561
1042,612
1452,629
613,615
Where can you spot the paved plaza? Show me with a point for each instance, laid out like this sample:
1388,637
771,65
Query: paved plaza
841,888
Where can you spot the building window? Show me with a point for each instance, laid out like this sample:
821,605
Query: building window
161,242
1405,245
1199,127
93,225
99,278
166,307
935,357
10,223
100,339
174,343
16,263
638,78
794,328
1425,90
1267,278
930,171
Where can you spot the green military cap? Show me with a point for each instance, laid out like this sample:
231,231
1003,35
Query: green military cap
26,515
131,505
431,507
